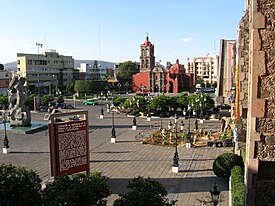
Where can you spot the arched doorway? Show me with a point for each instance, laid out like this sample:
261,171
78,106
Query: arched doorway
156,88
170,87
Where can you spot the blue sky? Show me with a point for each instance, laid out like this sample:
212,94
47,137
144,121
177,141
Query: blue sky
112,30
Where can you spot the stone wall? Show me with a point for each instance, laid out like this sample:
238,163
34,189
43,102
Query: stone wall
243,61
260,145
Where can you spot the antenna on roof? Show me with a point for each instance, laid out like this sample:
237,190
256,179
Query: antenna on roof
45,41
99,42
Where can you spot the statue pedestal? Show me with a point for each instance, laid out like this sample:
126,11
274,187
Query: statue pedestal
175,169
5,150
134,127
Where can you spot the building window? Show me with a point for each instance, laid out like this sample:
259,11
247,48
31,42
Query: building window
18,61
29,61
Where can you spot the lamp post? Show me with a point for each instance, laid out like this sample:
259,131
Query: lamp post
134,126
101,111
113,137
188,144
39,45
175,165
215,194
6,141
127,87
119,85
142,89
196,113
203,100
147,99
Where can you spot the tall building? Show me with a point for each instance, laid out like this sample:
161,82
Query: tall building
5,77
204,67
48,68
226,70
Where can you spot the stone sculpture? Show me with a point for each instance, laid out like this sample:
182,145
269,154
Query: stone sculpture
18,102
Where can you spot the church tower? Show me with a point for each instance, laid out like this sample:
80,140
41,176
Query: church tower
147,58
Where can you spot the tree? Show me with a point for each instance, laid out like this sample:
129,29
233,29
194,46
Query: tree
70,88
173,102
183,100
19,186
46,99
214,85
126,70
31,101
145,192
3,101
82,86
60,99
208,84
159,102
199,80
77,190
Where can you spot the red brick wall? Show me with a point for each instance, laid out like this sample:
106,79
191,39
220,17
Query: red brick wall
140,79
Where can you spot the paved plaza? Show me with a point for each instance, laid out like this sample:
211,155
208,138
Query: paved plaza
128,158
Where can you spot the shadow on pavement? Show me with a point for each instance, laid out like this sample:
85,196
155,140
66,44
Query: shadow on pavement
175,185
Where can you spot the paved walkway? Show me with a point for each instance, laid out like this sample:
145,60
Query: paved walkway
127,158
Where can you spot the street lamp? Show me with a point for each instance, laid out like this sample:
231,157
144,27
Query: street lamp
175,166
6,141
215,194
142,89
147,99
203,100
196,113
134,126
188,144
101,111
119,85
39,45
113,137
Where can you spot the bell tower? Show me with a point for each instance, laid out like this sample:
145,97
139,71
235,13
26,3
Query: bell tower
147,57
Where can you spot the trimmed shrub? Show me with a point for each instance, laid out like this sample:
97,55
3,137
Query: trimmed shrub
237,186
145,192
225,162
77,190
19,186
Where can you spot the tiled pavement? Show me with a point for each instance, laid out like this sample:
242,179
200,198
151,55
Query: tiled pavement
127,158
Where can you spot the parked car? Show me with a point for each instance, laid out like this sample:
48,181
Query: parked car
90,102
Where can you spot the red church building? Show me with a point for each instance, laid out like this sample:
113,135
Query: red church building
155,78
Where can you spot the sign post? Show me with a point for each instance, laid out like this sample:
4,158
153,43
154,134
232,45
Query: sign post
69,144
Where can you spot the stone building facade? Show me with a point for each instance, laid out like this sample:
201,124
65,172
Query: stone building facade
256,82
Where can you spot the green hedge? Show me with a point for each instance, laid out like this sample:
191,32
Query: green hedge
225,162
19,186
237,186
77,190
